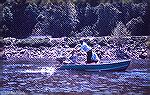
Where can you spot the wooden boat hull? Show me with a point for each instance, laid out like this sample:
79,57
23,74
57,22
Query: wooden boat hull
106,66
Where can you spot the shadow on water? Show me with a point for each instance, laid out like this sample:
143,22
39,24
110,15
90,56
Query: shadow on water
43,78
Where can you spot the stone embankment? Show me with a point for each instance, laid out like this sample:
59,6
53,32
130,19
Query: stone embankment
52,48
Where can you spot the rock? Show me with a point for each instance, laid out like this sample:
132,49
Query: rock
61,59
121,54
142,56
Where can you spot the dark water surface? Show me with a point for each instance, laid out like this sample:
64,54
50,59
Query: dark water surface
34,78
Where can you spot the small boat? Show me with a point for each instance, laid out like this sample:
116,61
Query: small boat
118,65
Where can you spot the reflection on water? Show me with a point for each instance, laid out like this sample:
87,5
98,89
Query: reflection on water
43,78
42,70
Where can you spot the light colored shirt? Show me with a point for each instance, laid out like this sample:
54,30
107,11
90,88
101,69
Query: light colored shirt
94,56
85,47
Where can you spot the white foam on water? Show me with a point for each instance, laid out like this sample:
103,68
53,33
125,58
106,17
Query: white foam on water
43,70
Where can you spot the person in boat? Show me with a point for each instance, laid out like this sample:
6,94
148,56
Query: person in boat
91,56
73,57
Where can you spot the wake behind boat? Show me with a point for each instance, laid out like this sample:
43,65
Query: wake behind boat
117,65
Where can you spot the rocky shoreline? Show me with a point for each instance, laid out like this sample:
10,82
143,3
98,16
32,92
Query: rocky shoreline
54,48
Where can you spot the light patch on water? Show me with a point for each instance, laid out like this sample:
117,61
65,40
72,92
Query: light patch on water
43,70
12,93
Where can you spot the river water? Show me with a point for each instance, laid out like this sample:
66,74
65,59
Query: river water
41,77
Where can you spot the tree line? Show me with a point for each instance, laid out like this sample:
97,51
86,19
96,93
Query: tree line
59,18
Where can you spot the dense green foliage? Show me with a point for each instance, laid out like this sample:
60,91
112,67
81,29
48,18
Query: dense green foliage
78,18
